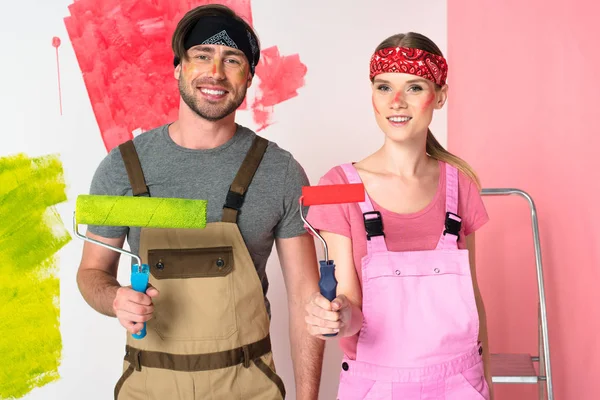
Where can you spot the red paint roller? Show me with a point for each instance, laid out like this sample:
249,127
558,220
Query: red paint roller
329,194
333,194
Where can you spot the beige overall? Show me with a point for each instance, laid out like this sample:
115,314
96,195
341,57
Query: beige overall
209,336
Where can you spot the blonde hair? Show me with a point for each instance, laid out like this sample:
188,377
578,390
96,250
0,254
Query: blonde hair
433,147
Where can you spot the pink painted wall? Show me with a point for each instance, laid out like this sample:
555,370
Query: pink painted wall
523,110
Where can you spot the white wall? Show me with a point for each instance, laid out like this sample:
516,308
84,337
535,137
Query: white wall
330,122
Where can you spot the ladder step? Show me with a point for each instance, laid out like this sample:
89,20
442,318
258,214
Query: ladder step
513,368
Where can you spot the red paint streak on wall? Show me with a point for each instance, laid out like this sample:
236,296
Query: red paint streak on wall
280,79
123,48
56,44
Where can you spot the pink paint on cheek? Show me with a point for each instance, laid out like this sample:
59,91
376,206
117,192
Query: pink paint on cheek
428,102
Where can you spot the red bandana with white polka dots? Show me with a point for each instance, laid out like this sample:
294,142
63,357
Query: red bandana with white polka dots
409,61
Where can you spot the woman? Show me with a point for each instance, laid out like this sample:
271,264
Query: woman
408,310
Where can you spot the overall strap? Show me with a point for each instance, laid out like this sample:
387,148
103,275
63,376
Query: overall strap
452,222
237,190
134,169
372,219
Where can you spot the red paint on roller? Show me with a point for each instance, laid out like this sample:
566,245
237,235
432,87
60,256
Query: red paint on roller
333,194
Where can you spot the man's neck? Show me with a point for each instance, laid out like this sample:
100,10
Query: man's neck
193,132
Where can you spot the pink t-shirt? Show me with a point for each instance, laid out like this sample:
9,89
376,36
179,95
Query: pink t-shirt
403,232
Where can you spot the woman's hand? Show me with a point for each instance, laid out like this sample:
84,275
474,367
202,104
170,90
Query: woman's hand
325,317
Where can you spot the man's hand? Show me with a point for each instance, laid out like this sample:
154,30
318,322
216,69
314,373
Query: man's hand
134,308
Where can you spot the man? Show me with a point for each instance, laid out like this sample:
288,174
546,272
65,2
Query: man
206,309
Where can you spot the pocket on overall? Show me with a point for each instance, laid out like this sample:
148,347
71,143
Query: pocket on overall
471,385
353,387
196,293
422,307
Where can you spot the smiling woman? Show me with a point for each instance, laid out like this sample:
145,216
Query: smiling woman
414,234
398,99
413,54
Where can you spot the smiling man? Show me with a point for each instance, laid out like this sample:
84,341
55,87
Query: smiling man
207,312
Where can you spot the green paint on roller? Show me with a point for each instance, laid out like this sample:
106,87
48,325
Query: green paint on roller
152,212
31,232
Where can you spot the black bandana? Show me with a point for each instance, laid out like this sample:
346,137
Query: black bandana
224,31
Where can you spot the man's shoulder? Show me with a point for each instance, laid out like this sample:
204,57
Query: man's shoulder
278,160
278,153
148,138
113,163
274,151
141,142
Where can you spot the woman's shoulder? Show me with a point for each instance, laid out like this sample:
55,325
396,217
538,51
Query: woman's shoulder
465,182
470,203
335,176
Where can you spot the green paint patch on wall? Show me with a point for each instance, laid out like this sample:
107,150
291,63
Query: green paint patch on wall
31,232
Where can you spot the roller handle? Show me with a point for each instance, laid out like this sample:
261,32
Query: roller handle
139,283
327,283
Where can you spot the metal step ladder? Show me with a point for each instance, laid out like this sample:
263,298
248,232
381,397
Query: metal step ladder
519,368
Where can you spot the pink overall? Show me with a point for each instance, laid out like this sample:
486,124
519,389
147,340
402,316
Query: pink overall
419,339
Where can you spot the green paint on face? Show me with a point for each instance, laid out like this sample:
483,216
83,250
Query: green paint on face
31,232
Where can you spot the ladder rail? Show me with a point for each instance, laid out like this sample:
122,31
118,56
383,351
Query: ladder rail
541,359
540,278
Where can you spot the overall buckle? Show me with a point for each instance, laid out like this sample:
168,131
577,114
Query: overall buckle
234,200
452,225
246,357
373,226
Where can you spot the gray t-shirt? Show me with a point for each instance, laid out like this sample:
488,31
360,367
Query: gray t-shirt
270,208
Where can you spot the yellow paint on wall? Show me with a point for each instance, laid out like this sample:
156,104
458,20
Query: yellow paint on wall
31,232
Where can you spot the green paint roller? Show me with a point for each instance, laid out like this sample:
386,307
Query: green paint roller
154,212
